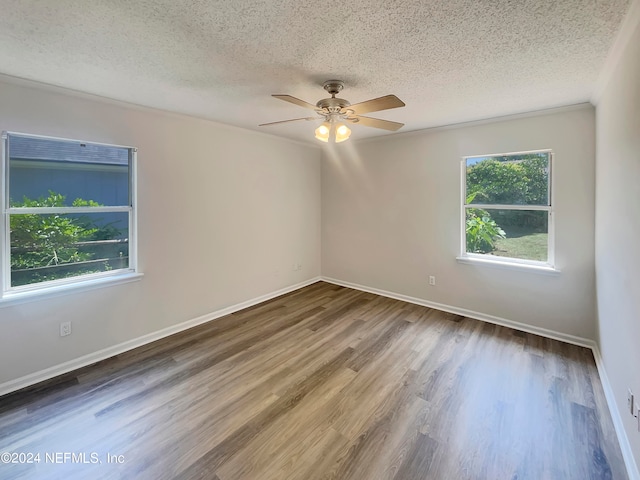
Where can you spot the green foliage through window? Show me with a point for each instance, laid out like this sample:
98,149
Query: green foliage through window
519,180
481,230
41,242
510,180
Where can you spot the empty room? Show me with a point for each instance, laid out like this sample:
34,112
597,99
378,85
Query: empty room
298,240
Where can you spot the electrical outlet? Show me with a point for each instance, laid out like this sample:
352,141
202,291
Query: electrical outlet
630,402
432,280
65,329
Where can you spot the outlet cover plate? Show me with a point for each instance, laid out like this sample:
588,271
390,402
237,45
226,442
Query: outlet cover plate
65,329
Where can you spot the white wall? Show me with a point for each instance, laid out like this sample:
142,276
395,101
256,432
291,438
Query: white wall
618,231
223,215
391,218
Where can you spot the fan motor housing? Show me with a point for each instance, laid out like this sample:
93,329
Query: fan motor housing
332,104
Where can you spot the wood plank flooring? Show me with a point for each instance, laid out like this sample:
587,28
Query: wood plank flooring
323,383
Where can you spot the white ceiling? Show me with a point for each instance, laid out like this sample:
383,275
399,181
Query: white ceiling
449,60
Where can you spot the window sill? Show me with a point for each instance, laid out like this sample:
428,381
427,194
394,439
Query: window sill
14,298
522,267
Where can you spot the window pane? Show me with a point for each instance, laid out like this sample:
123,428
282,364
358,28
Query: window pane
45,172
50,247
521,179
518,234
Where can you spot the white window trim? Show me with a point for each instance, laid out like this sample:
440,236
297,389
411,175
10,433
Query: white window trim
11,295
547,267
87,284
512,264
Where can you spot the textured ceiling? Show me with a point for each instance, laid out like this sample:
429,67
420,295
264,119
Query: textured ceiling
449,60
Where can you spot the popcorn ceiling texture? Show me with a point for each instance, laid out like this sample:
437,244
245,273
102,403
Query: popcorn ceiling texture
449,60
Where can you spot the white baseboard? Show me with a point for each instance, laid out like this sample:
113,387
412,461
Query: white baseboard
625,446
623,440
48,373
543,332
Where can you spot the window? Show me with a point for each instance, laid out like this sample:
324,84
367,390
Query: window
69,212
507,214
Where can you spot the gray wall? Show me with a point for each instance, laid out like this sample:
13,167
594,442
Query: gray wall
224,213
391,217
618,230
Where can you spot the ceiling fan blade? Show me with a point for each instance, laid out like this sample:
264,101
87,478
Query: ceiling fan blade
376,123
377,104
286,121
296,101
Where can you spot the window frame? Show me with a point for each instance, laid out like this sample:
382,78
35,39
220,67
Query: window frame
508,262
83,281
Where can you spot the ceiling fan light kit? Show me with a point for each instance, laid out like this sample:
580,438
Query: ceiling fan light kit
323,132
342,133
337,111
338,131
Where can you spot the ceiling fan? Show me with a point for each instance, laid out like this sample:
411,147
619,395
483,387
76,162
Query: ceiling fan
335,111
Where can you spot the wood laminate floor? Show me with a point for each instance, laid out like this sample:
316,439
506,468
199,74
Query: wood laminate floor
323,383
